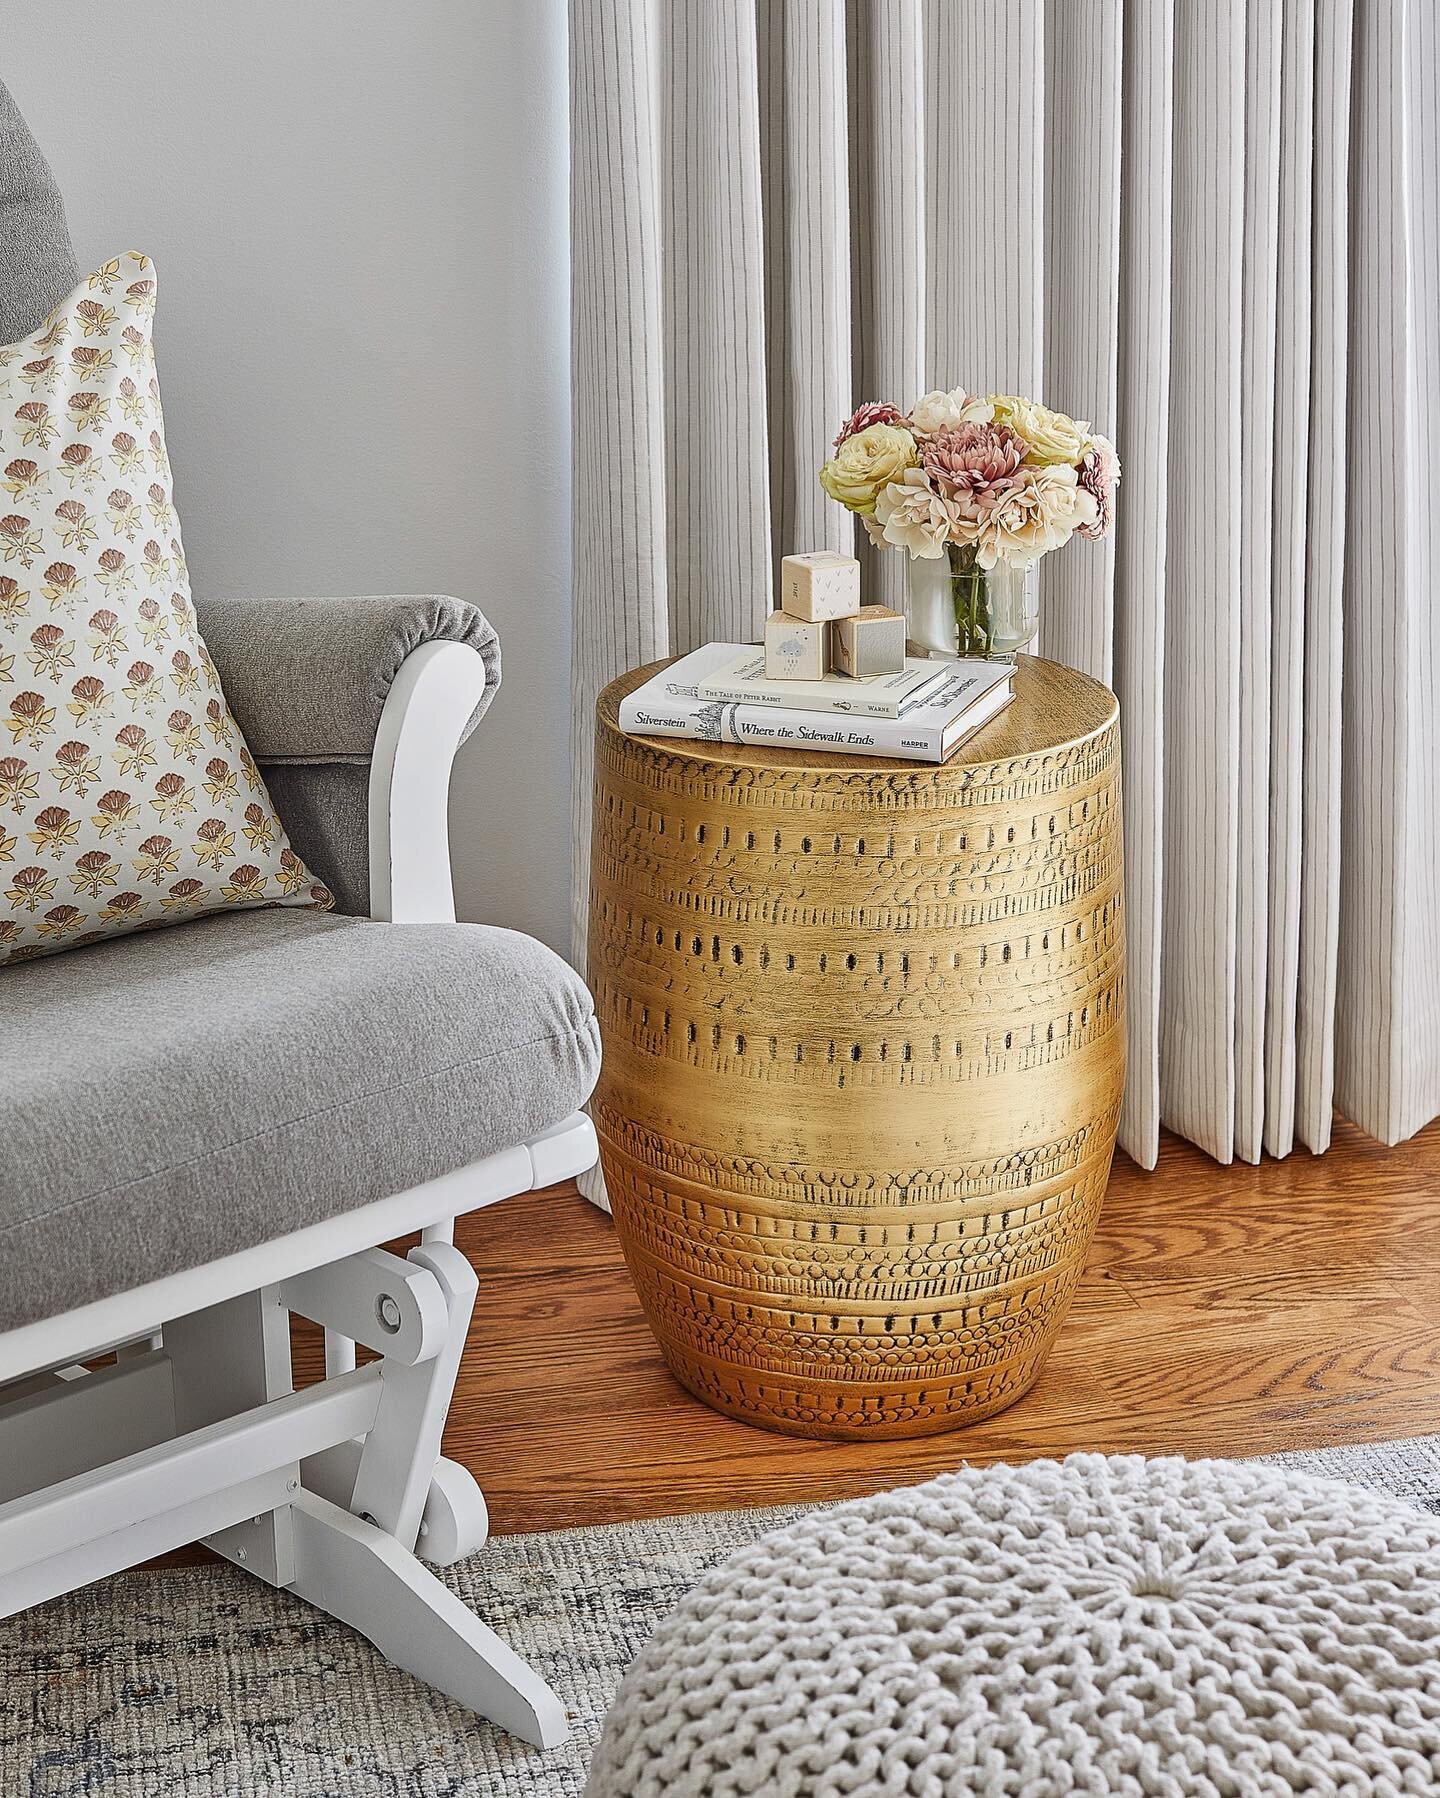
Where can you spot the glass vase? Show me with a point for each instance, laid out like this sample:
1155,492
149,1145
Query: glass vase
961,609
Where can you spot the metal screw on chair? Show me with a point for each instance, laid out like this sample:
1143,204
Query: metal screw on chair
388,1313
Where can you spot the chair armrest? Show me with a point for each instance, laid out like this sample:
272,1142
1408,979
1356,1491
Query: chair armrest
308,678
354,709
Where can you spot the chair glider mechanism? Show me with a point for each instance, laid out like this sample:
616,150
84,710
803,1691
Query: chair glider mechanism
161,1412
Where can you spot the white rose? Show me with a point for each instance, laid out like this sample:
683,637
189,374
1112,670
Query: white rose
940,411
910,514
865,463
1051,436
1035,511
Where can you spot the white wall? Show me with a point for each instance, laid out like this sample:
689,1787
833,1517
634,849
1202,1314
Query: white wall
358,214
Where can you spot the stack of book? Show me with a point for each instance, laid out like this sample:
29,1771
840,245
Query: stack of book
720,694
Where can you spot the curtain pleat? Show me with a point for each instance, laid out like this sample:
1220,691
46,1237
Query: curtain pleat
984,195
1212,231
1202,576
1387,1056
1258,282
617,379
1379,563
886,82
1082,299
1142,413
1417,1095
804,128
1289,519
713,295
1324,570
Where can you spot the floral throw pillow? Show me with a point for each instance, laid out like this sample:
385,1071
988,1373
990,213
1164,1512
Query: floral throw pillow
127,795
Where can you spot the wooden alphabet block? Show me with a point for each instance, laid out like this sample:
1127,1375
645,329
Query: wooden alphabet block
795,648
870,642
820,586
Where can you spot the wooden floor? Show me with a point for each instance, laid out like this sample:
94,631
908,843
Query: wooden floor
1225,1311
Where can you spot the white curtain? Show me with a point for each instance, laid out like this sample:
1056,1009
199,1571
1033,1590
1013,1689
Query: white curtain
1209,226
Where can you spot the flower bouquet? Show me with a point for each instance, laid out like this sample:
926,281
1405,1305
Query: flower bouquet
977,489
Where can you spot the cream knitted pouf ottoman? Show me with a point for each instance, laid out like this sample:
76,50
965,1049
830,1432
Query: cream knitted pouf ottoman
1093,1625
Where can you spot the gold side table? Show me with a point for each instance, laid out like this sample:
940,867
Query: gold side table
864,1049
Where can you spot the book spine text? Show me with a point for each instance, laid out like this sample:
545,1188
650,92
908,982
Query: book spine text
717,722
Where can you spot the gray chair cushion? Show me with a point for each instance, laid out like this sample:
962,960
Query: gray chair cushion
37,264
180,1094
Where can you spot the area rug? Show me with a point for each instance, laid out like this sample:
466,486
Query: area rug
204,1683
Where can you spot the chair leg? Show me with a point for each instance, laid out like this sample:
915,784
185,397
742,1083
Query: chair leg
398,1460
357,1563
361,1575
224,1360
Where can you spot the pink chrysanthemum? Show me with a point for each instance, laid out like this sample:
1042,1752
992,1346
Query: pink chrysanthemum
1098,473
871,413
970,458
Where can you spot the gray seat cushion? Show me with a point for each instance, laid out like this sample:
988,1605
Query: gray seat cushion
37,264
180,1094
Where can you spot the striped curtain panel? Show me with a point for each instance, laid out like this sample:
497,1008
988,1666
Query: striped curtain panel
1211,228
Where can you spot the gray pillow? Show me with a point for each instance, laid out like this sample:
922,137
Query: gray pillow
37,264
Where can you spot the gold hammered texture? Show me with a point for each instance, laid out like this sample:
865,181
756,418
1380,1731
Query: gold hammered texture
864,1050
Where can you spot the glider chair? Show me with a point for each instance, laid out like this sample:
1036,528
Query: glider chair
209,1128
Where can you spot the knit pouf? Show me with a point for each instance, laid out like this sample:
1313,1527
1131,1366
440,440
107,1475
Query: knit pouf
1094,1625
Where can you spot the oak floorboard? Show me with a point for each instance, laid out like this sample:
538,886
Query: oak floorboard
1222,1311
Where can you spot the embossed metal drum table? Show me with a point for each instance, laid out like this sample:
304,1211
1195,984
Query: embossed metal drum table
864,1047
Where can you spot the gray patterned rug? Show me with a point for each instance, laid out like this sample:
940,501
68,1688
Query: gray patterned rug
204,1683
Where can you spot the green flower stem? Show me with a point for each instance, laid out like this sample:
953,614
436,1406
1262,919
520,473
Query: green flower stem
974,628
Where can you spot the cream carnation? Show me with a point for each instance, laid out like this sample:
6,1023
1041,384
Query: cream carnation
1034,512
1051,436
867,462
910,514
943,411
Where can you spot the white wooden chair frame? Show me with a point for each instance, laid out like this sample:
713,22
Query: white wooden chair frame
194,1430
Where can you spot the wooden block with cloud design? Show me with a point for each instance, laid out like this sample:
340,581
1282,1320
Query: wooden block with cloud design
795,648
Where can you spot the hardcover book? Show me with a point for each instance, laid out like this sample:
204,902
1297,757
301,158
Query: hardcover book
967,695
743,681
